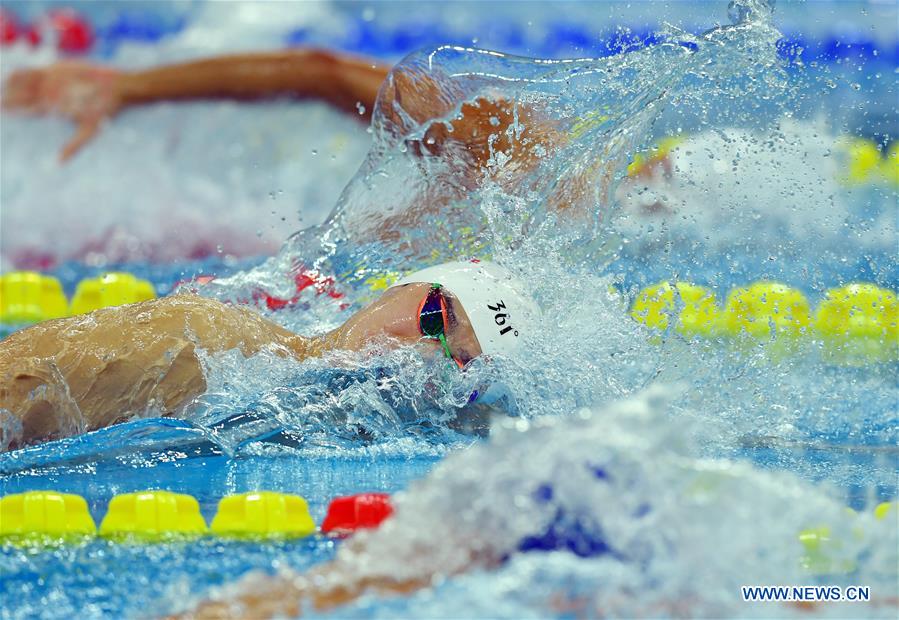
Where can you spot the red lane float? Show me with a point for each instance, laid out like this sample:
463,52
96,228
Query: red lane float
354,512
308,279
74,34
323,285
9,28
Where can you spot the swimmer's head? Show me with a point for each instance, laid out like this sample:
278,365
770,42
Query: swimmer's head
487,314
499,311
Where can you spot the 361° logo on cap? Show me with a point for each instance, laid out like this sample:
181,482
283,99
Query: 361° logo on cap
500,318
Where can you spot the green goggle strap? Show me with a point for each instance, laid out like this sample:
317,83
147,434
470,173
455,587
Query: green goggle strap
442,336
446,349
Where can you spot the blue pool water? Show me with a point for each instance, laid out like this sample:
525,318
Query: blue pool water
713,454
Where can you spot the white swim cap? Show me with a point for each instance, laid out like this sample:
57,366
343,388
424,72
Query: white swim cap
499,311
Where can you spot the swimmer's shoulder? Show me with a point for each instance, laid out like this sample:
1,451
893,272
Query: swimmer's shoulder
220,326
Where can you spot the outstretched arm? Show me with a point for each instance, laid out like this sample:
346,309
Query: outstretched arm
341,80
90,94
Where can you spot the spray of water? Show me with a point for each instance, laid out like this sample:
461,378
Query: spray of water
547,195
433,188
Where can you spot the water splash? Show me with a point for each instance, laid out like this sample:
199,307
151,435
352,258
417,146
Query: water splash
438,183
548,194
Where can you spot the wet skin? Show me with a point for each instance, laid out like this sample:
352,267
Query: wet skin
77,374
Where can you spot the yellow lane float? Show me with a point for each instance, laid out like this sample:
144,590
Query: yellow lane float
884,508
862,159
862,162
28,297
818,545
38,516
764,309
889,167
153,516
859,322
263,514
693,307
111,289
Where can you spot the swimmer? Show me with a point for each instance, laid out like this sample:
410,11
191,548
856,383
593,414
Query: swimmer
77,374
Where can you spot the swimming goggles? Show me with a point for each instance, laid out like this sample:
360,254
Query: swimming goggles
433,320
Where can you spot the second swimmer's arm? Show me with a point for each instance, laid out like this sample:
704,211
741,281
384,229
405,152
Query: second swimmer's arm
266,596
341,80
90,94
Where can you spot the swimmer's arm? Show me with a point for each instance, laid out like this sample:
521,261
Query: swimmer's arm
277,597
264,596
482,133
91,94
343,81
482,127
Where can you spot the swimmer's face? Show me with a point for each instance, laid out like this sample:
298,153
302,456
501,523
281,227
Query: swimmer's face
395,316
